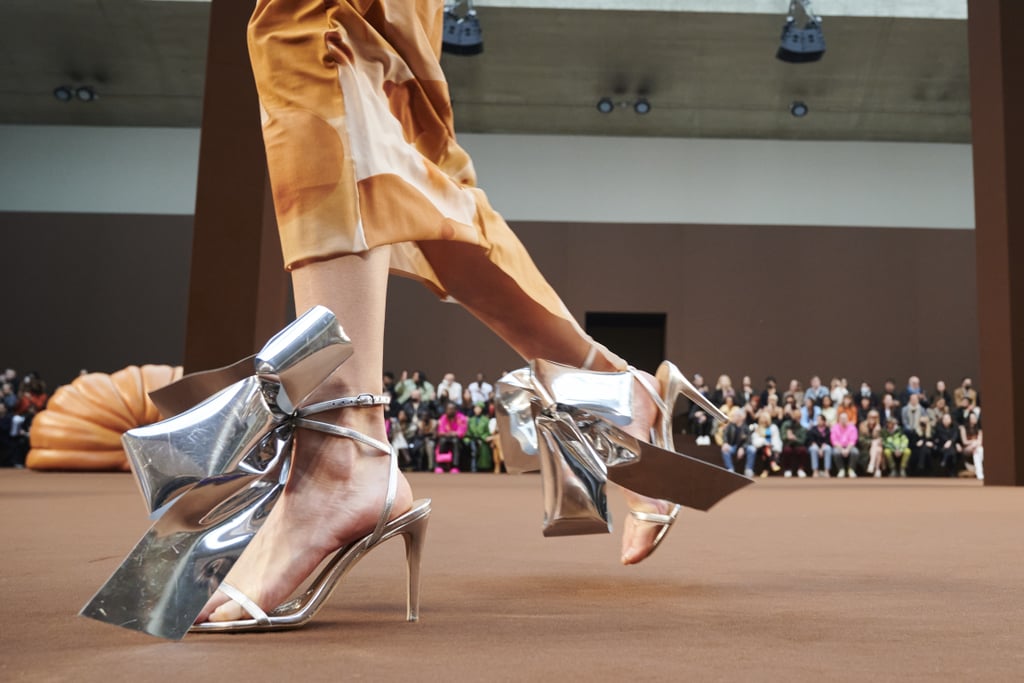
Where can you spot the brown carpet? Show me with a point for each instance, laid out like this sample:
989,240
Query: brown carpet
789,580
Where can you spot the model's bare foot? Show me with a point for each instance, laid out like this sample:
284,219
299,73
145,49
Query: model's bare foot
334,495
638,536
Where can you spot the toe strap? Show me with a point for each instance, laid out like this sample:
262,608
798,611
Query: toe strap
656,518
247,604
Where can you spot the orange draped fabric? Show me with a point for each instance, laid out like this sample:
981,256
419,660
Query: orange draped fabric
360,142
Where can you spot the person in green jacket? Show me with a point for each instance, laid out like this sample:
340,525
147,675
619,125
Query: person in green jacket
476,438
895,444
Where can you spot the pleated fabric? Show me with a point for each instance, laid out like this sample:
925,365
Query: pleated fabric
361,149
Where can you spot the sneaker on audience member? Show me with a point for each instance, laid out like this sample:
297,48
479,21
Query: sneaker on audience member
788,474
842,473
853,474
801,474
878,473
748,472
903,473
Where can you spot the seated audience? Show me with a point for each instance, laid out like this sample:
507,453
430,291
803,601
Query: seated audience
847,406
480,390
829,410
699,422
819,445
816,391
478,433
838,389
913,388
746,391
794,450
941,392
767,444
723,390
947,443
451,388
844,436
451,429
809,413
966,390
973,447
895,448
912,412
922,445
794,391
752,409
736,442
870,442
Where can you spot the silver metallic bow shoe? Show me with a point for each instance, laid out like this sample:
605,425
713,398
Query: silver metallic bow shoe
211,474
567,423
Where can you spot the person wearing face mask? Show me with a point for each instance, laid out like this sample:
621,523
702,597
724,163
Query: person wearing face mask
866,392
966,389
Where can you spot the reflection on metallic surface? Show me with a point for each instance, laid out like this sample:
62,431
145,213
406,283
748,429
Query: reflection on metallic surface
213,473
566,423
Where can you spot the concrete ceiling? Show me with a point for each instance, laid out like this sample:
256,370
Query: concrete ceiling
542,71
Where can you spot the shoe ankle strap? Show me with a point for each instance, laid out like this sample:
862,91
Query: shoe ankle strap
361,401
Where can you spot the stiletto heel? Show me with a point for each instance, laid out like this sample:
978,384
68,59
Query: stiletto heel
415,536
212,474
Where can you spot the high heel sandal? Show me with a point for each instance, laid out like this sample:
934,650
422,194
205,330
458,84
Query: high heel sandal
211,474
567,422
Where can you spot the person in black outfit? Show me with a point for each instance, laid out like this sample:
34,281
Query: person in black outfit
947,444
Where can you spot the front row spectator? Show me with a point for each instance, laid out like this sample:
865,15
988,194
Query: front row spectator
794,452
819,444
735,442
895,444
970,437
766,442
844,446
870,442
451,429
947,443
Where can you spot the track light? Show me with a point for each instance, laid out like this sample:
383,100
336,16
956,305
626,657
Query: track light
607,105
799,45
68,93
462,34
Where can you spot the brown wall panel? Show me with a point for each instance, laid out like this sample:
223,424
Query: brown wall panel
93,291
103,291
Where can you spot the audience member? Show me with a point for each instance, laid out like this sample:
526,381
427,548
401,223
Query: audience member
870,442
723,390
480,390
746,391
752,408
912,412
794,391
451,428
895,448
941,392
850,408
913,389
819,445
477,440
816,391
699,422
771,388
794,450
922,445
767,444
452,388
947,443
971,440
809,413
838,389
890,409
844,446
736,442
868,393
966,389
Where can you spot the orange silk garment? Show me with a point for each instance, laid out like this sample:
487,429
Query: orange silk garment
360,141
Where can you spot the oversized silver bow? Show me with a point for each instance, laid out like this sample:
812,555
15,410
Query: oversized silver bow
211,474
568,427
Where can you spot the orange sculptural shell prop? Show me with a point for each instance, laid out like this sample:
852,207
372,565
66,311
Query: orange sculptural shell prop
82,425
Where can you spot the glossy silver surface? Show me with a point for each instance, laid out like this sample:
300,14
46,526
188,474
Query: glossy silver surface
573,479
514,406
214,472
608,394
548,420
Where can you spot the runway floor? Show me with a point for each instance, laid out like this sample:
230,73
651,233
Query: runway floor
788,580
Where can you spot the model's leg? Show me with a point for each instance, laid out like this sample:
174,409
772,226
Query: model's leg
534,332
337,486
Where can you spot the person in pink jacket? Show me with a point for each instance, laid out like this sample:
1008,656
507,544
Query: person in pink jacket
450,430
844,446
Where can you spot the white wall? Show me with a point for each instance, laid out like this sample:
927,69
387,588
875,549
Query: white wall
544,178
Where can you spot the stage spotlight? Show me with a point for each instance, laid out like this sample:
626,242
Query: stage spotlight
798,109
63,93
85,94
605,105
642,106
462,34
799,45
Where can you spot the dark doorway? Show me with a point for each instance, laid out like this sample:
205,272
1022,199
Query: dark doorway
637,337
